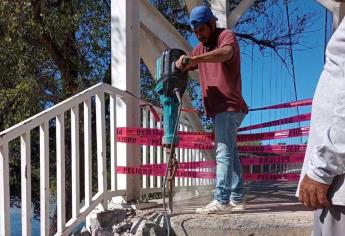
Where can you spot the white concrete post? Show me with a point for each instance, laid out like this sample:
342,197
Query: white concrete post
192,3
221,10
338,14
337,7
125,59
227,19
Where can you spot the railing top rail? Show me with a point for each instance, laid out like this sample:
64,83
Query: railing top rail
36,120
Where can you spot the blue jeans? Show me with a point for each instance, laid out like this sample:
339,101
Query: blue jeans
229,179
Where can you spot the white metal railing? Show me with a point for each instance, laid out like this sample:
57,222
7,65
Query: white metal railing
54,117
154,155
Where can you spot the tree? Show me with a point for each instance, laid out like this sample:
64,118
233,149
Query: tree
50,50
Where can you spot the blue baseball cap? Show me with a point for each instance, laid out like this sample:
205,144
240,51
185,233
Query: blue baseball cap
200,15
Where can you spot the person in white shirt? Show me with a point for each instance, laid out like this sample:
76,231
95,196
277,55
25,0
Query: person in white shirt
322,183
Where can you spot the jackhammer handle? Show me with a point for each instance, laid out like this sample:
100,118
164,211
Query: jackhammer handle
185,61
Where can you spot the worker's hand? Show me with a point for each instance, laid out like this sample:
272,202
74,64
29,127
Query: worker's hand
184,63
313,194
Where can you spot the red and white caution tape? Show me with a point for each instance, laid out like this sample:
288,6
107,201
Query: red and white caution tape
306,102
288,120
208,138
295,148
246,161
204,175
288,133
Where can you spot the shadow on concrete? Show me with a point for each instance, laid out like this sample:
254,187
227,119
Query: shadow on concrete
270,197
272,209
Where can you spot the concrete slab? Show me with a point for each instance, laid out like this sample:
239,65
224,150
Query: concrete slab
272,209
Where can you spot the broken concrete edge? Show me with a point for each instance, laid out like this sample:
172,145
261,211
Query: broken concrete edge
185,193
127,222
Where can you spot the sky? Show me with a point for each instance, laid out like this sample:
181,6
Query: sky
266,81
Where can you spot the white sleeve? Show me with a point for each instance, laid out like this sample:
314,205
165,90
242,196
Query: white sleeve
328,158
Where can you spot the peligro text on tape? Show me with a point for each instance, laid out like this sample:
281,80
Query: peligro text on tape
209,137
245,161
205,175
289,133
295,148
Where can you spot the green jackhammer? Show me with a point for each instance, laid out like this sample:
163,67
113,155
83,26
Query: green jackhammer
171,83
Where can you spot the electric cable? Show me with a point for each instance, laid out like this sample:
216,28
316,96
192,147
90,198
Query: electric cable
291,52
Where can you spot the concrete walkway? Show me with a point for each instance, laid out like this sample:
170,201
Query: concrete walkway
271,210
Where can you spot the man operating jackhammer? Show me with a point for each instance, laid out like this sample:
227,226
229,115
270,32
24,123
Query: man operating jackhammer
217,57
322,183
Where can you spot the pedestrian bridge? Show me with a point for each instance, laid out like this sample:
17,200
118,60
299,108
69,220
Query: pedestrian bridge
91,115
81,131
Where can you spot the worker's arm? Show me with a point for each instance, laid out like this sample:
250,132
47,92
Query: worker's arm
218,55
327,160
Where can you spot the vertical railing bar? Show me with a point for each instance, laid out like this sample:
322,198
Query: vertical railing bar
177,152
159,157
100,132
25,148
185,158
201,158
152,149
60,172
189,160
87,152
193,160
205,169
113,152
197,158
5,219
44,178
75,161
193,157
165,157
144,149
180,158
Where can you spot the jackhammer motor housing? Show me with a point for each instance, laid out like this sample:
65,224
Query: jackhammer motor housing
169,78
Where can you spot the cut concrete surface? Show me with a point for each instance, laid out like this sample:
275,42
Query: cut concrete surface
272,209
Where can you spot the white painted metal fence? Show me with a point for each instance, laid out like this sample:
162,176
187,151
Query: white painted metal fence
156,155
54,117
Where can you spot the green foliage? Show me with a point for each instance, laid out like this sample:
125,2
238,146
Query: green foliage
49,50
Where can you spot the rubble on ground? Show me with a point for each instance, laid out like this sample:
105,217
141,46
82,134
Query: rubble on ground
126,221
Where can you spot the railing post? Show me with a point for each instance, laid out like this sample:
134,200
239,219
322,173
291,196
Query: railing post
87,152
5,223
25,147
101,153
113,154
44,178
125,25
60,172
75,161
